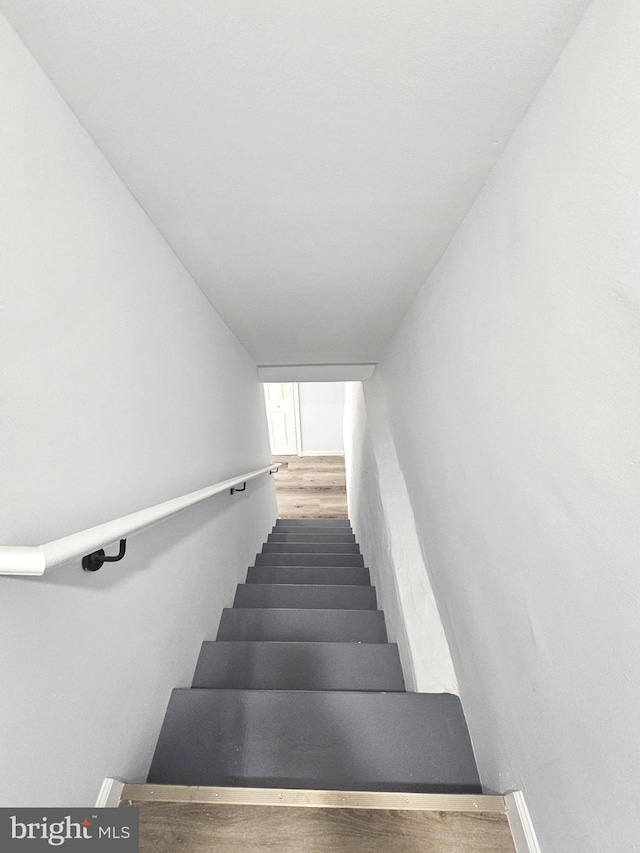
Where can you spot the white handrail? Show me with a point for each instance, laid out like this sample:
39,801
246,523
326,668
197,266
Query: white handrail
35,560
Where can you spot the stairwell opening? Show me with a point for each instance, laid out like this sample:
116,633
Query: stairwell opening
303,686
306,424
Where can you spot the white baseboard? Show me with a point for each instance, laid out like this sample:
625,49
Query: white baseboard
109,795
321,453
524,835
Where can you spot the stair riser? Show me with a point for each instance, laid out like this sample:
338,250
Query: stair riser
300,626
312,531
320,538
310,548
299,666
306,596
314,575
309,560
313,522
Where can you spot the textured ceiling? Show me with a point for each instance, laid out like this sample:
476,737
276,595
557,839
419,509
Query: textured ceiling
308,162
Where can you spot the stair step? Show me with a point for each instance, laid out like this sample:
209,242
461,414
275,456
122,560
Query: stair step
299,666
300,596
306,739
309,574
318,532
310,548
348,538
311,626
313,522
298,559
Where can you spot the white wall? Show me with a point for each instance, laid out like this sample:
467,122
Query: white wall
383,521
514,392
120,387
321,417
350,372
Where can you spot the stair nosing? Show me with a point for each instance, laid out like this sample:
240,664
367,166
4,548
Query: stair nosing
311,609
267,565
307,585
298,643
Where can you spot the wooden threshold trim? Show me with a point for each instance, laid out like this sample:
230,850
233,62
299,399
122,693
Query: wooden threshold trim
141,793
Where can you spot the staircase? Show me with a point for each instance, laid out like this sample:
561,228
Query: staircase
302,690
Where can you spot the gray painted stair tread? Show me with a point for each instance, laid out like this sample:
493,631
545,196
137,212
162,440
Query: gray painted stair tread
309,560
312,537
310,548
320,532
340,626
299,666
313,522
307,574
307,739
324,596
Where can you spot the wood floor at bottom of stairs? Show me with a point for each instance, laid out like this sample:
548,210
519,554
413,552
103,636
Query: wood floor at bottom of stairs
201,828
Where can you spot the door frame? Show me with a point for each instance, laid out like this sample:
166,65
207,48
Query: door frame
296,412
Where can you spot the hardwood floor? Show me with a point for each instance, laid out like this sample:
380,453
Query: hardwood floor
198,828
311,487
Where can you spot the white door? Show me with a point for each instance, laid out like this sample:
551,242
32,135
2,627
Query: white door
280,400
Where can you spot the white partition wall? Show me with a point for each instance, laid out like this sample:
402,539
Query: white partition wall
513,392
321,418
121,388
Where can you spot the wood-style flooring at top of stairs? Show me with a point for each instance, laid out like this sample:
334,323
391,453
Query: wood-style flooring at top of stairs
203,827
311,487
